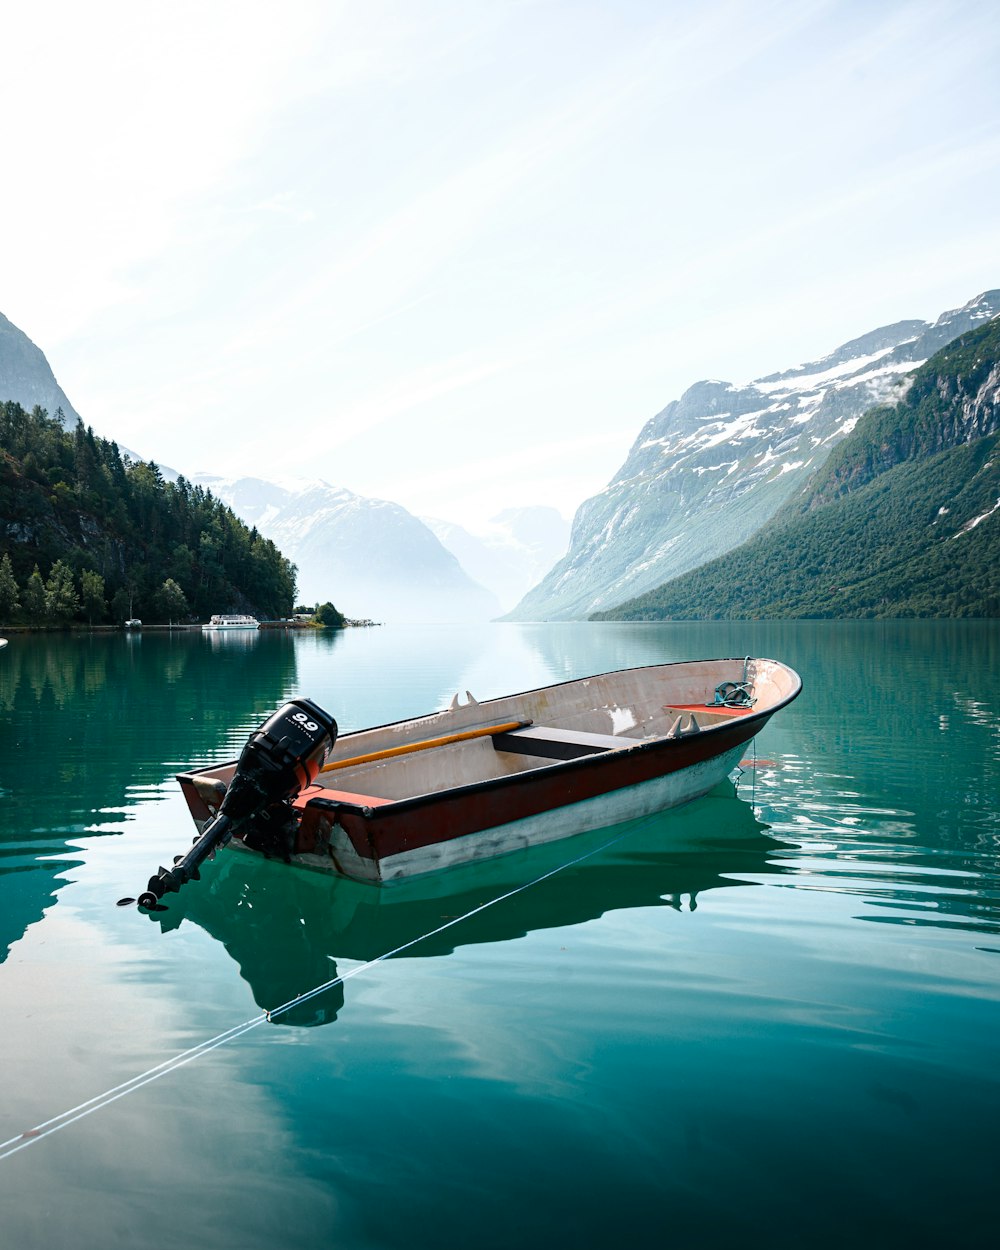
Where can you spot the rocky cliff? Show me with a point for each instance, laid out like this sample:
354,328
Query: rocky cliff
26,378
903,520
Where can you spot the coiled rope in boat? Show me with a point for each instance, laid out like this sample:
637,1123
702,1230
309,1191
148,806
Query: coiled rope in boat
735,694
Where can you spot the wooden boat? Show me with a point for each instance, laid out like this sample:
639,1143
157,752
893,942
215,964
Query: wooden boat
481,779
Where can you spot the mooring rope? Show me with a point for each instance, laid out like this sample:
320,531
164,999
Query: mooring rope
65,1118
753,787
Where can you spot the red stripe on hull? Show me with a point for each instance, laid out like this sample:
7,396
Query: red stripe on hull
436,818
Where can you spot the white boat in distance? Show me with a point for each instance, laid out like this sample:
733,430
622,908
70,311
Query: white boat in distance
232,621
483,779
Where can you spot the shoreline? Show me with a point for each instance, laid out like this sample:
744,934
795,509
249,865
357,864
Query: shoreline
6,630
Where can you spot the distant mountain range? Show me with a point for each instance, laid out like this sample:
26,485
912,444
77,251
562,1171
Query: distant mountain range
373,555
902,520
370,557
705,475
713,467
518,548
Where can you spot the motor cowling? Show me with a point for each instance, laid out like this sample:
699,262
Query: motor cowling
280,759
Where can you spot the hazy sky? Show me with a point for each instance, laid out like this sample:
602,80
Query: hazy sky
454,253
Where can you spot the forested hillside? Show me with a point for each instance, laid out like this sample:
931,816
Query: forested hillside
903,520
88,534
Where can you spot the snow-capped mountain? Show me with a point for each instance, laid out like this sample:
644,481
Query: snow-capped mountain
903,520
518,547
710,469
369,557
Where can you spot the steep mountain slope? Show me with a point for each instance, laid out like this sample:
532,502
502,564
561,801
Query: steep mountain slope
714,466
370,557
519,546
903,520
70,501
26,378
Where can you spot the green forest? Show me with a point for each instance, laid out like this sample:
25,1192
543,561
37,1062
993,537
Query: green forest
902,521
89,535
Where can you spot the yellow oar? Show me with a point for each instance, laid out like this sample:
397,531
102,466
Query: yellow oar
407,748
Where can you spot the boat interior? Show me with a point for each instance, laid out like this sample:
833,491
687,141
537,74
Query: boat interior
470,742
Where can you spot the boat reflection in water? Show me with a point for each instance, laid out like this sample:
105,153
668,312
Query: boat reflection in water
230,638
287,930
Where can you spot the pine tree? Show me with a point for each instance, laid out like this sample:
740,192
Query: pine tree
61,599
94,603
10,599
121,606
34,597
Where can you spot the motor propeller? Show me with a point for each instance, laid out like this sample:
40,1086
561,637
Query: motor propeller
280,758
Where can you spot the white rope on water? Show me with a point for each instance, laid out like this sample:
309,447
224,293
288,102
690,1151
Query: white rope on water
65,1118
83,1109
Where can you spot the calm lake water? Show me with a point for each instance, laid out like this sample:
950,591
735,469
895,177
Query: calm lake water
768,1019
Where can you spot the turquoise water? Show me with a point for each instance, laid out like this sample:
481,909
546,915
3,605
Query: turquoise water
768,1019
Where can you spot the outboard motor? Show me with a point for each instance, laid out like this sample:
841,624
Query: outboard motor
280,758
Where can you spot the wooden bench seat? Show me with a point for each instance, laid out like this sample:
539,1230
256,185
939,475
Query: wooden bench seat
715,709
557,744
337,796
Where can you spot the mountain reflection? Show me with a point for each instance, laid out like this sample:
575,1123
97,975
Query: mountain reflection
287,928
86,720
